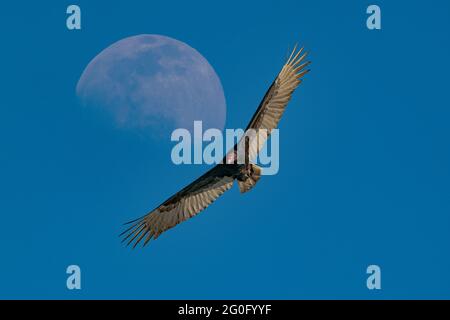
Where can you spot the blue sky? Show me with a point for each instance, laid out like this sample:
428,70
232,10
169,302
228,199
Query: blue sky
364,173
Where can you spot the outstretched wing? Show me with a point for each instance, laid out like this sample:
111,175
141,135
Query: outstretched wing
183,205
274,103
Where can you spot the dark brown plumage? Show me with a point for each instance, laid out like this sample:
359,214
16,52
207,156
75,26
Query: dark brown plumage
202,192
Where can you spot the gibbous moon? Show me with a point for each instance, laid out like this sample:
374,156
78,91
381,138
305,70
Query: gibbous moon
155,83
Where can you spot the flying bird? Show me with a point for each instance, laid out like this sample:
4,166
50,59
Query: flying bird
202,192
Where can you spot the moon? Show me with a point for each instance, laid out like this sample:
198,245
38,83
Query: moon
155,83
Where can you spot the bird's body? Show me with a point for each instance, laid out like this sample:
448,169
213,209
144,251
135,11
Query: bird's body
202,192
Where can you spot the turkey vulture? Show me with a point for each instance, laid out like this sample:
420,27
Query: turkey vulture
202,192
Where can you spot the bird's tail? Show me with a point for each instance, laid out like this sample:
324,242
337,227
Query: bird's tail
253,176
